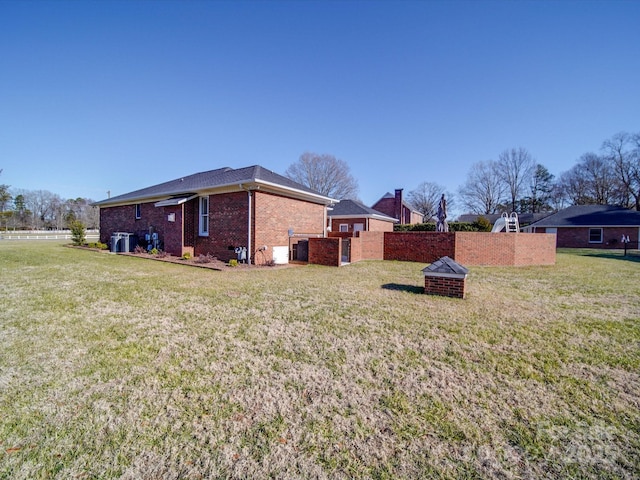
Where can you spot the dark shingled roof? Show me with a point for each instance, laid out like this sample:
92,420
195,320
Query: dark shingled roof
211,179
591,216
354,208
445,267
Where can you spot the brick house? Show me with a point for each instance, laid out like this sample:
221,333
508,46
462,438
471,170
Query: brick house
394,206
352,216
591,226
217,211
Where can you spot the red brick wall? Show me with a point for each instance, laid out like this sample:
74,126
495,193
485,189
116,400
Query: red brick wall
374,225
424,247
228,225
371,245
325,251
578,237
447,287
386,206
380,225
340,234
355,249
275,215
471,248
123,219
173,233
504,249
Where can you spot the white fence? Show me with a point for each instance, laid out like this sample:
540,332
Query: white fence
46,235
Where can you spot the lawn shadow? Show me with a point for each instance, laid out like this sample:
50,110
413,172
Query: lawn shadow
630,257
403,288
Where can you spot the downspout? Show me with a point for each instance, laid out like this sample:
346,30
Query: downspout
324,229
248,226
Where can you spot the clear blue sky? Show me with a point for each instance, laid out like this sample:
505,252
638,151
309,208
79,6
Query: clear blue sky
116,96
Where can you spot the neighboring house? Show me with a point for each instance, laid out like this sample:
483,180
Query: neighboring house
352,216
218,211
590,226
395,207
523,218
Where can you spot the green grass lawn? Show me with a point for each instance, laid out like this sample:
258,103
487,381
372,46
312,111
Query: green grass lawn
119,367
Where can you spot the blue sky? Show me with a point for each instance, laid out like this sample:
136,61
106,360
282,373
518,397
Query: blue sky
116,96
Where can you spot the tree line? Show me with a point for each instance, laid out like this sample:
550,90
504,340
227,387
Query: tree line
43,210
516,182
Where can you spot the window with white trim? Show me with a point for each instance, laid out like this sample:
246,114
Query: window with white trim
138,212
344,227
358,227
595,235
203,217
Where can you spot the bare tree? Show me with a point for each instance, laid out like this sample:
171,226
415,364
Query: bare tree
483,189
516,167
426,197
325,174
591,181
624,159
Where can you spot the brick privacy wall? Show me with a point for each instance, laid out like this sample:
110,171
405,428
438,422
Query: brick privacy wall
424,247
533,250
123,219
325,251
578,237
446,287
340,234
504,249
355,249
371,245
471,248
275,215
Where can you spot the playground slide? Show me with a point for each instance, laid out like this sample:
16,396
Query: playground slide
499,225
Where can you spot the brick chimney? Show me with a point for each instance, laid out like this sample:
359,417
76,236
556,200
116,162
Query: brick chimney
397,204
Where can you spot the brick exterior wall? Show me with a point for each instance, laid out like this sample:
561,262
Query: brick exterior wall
386,206
325,251
395,208
578,237
123,219
274,216
424,247
228,225
369,224
446,287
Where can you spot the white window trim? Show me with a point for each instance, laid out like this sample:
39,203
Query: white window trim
358,227
138,210
203,218
601,235
346,227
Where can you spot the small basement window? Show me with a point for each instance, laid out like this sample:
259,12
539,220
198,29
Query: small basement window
138,212
595,235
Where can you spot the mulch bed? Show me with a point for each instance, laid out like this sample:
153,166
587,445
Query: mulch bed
211,264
